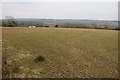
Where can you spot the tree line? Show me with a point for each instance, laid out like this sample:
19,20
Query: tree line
11,22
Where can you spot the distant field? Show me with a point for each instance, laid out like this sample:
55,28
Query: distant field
60,53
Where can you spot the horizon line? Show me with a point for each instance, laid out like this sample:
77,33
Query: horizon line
65,18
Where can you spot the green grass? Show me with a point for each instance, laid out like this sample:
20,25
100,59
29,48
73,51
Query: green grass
67,53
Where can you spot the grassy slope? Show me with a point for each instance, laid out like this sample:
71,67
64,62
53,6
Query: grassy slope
67,52
0,53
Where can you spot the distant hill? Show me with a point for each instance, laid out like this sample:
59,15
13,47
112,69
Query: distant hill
70,22
82,21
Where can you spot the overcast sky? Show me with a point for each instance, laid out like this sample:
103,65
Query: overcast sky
61,10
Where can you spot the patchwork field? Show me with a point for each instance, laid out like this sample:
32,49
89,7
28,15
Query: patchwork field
59,53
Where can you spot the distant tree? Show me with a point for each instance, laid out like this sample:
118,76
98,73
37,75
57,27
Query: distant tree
37,25
117,28
95,27
56,26
9,22
46,26
106,27
41,24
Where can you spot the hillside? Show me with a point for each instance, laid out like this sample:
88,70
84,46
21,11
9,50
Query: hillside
59,53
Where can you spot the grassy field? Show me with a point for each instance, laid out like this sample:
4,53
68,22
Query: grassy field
60,53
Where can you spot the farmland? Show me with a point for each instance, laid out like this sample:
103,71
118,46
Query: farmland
59,53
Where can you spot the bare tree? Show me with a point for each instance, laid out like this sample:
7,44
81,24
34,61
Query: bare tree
9,22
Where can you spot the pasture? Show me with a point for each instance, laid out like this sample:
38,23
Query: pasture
59,53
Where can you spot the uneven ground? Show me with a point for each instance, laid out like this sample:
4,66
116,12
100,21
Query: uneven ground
0,53
65,52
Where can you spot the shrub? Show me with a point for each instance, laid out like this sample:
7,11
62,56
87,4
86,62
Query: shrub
56,26
39,59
